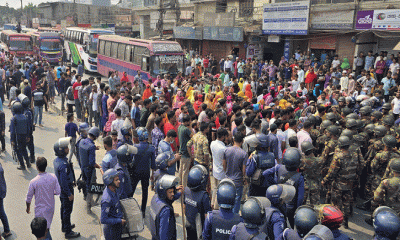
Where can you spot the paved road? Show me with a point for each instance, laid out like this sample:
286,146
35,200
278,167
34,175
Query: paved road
87,224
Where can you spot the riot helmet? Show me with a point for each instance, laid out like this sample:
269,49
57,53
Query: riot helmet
124,153
280,193
226,193
143,134
292,158
389,141
197,178
307,147
17,108
61,145
305,219
253,211
380,131
166,182
94,131
109,176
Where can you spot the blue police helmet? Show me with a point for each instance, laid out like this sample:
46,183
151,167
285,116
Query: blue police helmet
166,182
262,140
305,219
162,160
290,234
94,131
319,232
83,127
109,175
197,178
291,158
125,130
17,108
142,133
280,192
387,225
124,153
226,193
253,211
60,145
25,102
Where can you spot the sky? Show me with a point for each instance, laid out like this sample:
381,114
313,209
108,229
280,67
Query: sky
17,3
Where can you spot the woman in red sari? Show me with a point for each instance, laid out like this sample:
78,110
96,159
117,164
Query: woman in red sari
310,79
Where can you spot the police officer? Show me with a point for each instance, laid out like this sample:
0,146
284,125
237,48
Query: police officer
126,136
218,223
111,210
386,224
343,172
161,163
305,219
319,232
197,201
110,158
19,131
140,168
29,115
287,174
257,163
332,218
311,167
64,174
87,155
82,130
162,217
253,214
124,155
276,214
250,142
323,138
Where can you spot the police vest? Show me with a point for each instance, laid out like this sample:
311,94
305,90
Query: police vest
194,206
77,149
155,209
221,227
242,233
267,228
264,160
57,163
125,188
84,147
290,178
21,124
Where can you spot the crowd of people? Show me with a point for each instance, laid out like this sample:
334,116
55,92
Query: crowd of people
292,145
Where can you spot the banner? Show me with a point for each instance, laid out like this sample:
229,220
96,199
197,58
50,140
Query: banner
385,19
289,18
231,34
188,33
332,20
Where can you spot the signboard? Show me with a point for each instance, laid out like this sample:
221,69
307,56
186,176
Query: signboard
286,50
273,38
327,42
188,33
332,20
386,19
164,59
253,51
231,34
289,18
219,19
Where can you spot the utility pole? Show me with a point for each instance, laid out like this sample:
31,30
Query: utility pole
160,23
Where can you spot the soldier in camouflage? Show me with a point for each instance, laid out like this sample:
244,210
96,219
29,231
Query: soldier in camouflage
365,113
310,166
386,109
351,124
388,122
343,173
376,118
323,138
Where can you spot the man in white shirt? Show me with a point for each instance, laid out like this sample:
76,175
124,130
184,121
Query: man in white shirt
344,81
290,132
117,123
217,150
396,105
300,74
336,62
228,65
281,137
394,66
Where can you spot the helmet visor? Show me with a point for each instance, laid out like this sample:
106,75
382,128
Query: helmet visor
64,142
288,192
321,231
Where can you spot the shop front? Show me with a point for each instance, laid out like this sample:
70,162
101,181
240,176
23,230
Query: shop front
189,37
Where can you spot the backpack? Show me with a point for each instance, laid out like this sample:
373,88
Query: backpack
70,93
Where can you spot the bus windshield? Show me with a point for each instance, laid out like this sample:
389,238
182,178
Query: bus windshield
167,64
20,45
50,45
94,38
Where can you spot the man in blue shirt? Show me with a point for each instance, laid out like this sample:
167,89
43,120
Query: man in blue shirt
165,147
110,158
273,142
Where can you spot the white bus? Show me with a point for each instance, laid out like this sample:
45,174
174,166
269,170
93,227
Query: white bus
81,45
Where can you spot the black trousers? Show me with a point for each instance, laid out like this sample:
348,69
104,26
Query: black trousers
144,181
3,142
31,147
66,210
20,149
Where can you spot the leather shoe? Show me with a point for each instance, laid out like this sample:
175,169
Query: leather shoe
72,234
72,227
21,168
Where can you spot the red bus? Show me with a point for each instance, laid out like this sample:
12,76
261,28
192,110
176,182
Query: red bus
18,44
152,58
47,46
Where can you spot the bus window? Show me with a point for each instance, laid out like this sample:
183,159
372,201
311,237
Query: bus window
146,64
139,51
80,38
107,49
114,49
101,47
128,53
121,51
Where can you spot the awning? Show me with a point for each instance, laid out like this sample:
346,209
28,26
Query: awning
397,47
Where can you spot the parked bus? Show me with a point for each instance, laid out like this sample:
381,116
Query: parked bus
129,55
10,26
81,45
48,29
18,44
47,46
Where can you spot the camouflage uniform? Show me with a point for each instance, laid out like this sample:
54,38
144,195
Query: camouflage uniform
320,143
355,150
343,172
388,194
366,121
314,134
378,168
311,166
327,155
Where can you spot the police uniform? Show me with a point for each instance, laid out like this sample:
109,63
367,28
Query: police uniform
65,178
125,188
240,232
219,223
77,146
311,168
196,203
339,235
124,141
280,174
87,155
162,219
111,215
20,130
275,222
255,166
109,160
31,146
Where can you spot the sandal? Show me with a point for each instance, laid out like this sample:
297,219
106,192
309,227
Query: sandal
6,235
